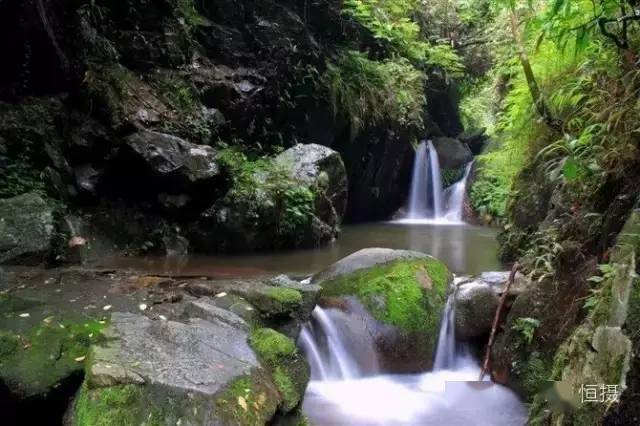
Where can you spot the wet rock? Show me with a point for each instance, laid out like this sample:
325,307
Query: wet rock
475,305
26,229
452,154
403,291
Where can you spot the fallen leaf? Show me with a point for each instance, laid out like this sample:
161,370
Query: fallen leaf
223,294
79,359
25,315
106,307
47,320
242,402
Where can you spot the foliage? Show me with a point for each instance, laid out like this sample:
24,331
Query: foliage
18,178
260,179
527,327
369,92
392,22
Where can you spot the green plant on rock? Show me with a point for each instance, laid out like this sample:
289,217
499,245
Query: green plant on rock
527,327
367,91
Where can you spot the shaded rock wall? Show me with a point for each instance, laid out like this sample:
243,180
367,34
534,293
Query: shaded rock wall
83,76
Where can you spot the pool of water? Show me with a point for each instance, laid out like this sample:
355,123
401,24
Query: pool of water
465,249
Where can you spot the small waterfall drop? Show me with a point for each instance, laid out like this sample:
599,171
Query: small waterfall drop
348,387
425,198
455,196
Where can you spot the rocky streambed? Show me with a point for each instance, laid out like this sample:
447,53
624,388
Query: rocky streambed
89,347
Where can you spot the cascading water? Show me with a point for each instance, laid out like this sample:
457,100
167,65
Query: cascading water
347,386
427,199
455,196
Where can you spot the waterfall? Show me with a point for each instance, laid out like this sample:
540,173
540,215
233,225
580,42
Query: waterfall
337,348
445,358
425,199
455,196
348,387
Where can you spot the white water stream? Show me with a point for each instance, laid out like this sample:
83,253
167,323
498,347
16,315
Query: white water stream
348,388
428,201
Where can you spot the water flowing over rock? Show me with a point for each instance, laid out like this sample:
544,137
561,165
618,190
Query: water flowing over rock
399,294
348,386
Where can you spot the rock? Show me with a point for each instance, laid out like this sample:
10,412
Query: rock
322,169
174,159
294,200
201,371
475,305
452,153
362,259
26,230
403,291
476,139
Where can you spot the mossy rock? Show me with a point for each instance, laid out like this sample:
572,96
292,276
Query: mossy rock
406,296
35,362
289,370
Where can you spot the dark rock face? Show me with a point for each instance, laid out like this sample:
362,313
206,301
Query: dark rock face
452,154
108,104
26,230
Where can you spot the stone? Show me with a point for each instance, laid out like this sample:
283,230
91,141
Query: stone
452,154
403,291
476,139
475,307
296,199
175,159
362,259
26,229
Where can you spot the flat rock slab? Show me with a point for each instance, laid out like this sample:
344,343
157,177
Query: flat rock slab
198,356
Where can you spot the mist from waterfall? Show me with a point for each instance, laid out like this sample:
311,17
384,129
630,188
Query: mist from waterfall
348,387
428,201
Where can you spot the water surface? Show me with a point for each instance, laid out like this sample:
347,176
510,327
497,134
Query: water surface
465,249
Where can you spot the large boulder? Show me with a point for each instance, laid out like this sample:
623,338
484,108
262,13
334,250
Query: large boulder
452,154
26,229
321,168
210,368
294,200
403,291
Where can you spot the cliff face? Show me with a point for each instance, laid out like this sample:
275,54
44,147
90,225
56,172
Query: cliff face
81,77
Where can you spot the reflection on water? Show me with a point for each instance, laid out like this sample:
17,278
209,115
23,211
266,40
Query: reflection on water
465,249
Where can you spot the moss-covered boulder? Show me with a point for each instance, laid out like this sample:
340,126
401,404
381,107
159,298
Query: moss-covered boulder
26,229
403,291
213,367
296,199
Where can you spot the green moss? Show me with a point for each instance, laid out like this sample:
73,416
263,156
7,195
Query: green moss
271,346
289,371
9,343
286,296
408,294
291,395
248,400
46,355
117,405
